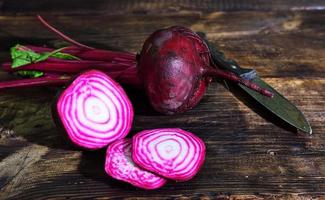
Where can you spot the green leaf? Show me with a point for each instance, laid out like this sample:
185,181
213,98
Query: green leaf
29,74
21,56
279,105
56,54
64,56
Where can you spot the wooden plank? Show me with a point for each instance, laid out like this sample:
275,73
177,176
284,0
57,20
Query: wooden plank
154,6
254,156
276,44
246,154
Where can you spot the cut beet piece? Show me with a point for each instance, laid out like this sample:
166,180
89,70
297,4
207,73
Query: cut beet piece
171,152
94,110
119,165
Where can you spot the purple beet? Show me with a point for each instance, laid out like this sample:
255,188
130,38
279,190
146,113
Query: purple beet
174,67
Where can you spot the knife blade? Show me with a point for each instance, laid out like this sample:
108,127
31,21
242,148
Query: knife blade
278,104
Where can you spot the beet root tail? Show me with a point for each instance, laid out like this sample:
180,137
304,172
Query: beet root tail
233,77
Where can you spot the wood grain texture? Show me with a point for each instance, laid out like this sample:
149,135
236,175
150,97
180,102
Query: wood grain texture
109,7
250,154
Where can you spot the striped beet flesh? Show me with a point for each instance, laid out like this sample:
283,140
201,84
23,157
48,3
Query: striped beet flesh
169,152
94,110
120,166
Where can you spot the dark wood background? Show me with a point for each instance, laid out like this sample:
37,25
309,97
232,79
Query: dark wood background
249,153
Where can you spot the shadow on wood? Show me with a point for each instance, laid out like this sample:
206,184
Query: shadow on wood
92,167
258,108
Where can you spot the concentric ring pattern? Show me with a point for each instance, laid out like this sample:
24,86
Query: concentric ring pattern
172,153
95,110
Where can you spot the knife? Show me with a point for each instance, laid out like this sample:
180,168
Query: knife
278,104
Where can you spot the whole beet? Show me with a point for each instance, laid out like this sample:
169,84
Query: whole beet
171,65
174,67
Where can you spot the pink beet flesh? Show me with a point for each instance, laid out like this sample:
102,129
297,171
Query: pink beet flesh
119,165
94,110
171,153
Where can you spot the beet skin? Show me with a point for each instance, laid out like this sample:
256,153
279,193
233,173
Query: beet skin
171,66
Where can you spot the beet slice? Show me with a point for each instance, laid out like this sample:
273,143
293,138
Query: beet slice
94,110
120,166
170,152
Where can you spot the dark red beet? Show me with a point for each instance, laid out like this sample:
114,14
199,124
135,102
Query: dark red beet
171,66
175,68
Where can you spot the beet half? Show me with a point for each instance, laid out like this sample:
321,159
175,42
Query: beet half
119,165
94,110
169,152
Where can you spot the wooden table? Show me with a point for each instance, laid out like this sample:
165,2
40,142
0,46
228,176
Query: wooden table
249,154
